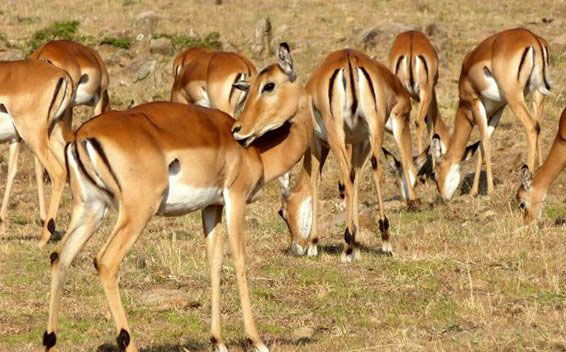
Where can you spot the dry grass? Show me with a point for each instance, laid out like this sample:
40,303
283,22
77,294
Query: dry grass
462,277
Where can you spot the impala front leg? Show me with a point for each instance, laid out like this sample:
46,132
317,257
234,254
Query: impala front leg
12,170
235,203
480,117
211,221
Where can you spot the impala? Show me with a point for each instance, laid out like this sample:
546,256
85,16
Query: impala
184,158
35,113
353,100
501,70
533,189
90,82
206,78
414,61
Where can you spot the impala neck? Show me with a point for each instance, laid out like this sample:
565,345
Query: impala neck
459,137
550,169
440,126
282,148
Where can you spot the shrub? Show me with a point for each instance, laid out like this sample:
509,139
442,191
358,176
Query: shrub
122,43
57,30
179,41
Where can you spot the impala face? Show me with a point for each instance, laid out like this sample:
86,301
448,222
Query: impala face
530,211
272,99
298,218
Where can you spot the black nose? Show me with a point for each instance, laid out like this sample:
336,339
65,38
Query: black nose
236,128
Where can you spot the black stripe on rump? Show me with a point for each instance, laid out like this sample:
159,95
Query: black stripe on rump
330,86
98,147
425,65
523,58
366,74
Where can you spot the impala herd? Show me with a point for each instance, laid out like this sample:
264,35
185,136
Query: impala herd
230,129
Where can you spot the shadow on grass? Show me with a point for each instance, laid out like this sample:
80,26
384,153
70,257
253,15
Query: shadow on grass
198,346
58,235
336,249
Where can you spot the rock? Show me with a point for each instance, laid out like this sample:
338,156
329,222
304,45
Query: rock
164,299
161,46
142,67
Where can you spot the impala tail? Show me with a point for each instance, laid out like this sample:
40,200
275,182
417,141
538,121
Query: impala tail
535,59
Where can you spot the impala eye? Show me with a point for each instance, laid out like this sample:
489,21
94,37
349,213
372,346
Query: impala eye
268,88
523,206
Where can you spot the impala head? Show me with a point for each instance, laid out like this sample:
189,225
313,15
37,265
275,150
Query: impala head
296,211
432,165
272,98
530,208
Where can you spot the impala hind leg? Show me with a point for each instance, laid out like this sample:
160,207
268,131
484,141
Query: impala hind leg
532,127
39,169
424,124
538,109
12,170
211,222
131,222
377,168
235,216
480,117
103,103
85,219
58,175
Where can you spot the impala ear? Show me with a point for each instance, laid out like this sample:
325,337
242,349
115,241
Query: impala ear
241,85
526,177
436,148
471,151
285,61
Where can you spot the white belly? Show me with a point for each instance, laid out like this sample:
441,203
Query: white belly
7,129
181,198
82,96
492,92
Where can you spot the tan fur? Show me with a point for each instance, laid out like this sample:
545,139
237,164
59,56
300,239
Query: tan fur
205,78
38,113
531,197
409,48
499,57
169,144
391,100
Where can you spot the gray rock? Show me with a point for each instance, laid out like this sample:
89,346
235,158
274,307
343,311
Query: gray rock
161,46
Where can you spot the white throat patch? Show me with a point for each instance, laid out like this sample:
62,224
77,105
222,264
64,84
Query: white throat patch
451,181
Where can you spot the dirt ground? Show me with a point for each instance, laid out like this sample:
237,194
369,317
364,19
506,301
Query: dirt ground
462,277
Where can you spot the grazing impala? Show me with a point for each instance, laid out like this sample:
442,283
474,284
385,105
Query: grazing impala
206,78
36,114
189,161
354,99
533,189
90,80
414,61
501,70
86,68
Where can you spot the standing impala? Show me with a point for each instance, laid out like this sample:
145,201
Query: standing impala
533,189
353,97
35,113
501,70
184,158
414,61
90,82
206,78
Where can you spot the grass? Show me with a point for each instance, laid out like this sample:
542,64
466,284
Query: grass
66,30
463,277
121,43
179,41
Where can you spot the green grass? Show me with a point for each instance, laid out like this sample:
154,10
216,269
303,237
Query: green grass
121,43
67,30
